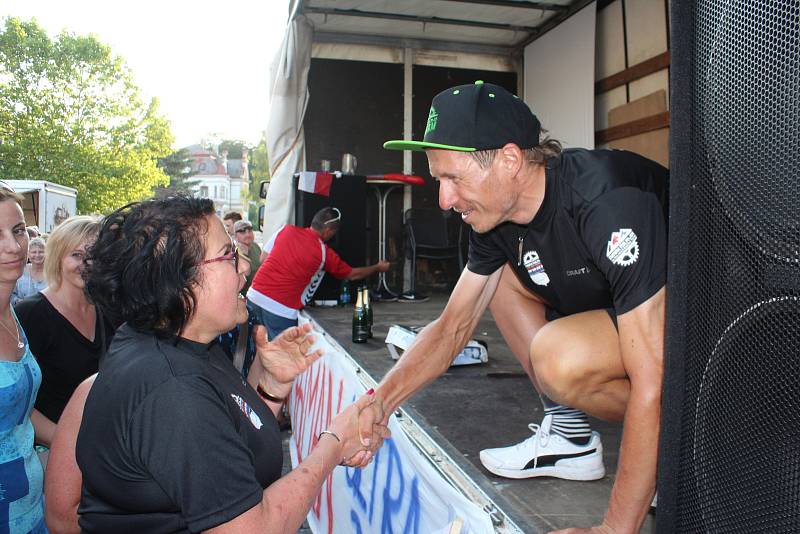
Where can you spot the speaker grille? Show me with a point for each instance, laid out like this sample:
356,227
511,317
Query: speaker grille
739,445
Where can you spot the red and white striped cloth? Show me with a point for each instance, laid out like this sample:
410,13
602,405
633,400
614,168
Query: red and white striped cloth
315,182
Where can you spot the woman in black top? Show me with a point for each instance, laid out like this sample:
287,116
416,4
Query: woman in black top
172,438
67,334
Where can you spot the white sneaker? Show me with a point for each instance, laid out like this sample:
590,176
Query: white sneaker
547,455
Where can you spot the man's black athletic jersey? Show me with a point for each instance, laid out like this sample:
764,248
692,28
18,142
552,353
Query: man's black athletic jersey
599,239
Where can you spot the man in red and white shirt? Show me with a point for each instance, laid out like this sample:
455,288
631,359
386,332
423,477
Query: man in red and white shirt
296,260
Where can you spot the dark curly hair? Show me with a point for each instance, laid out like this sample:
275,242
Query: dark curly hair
144,264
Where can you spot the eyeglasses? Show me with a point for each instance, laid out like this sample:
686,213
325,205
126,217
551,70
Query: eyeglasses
337,218
232,255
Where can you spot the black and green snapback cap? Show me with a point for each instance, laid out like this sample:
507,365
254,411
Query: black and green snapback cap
479,116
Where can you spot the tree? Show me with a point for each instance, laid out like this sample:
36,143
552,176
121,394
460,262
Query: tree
259,162
234,148
177,166
259,172
70,113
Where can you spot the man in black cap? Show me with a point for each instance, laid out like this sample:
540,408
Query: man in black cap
569,253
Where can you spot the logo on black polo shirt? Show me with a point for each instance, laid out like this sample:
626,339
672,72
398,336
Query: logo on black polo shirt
535,268
251,415
623,249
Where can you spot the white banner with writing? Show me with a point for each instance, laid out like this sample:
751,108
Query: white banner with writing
398,492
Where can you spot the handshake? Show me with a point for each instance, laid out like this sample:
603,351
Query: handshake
360,428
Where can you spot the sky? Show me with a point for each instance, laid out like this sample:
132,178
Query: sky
207,62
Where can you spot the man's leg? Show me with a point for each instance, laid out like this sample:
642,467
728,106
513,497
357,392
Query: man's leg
574,451
577,363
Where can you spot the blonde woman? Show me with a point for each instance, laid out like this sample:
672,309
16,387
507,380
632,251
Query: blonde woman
32,280
67,334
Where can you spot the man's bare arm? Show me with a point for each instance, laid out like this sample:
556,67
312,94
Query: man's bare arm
641,335
438,343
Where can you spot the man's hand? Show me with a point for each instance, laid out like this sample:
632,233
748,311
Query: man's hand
285,357
383,266
372,421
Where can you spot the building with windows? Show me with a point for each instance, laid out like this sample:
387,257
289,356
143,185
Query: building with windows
223,180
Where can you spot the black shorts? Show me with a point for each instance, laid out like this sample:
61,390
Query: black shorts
551,315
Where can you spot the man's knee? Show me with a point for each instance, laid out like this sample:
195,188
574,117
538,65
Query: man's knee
559,378
561,368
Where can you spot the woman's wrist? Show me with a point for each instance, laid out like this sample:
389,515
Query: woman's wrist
333,442
273,388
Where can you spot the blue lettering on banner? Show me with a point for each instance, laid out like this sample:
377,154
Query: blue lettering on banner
356,524
391,507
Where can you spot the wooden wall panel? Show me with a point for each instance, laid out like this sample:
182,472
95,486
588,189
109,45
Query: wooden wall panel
658,81
610,38
604,102
646,28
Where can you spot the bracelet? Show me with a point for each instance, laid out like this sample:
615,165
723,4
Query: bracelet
330,433
267,396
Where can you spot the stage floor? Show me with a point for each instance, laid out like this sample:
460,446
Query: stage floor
470,408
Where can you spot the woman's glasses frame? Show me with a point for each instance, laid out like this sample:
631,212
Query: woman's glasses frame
232,255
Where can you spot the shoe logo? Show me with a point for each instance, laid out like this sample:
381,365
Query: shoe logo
535,268
251,415
623,249
550,460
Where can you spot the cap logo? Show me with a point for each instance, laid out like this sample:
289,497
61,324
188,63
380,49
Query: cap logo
432,117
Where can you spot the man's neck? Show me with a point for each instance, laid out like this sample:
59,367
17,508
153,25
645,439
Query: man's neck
530,195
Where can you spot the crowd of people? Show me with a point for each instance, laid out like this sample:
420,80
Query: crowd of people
143,296
134,344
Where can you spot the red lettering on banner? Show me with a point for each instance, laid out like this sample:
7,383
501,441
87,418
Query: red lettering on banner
312,411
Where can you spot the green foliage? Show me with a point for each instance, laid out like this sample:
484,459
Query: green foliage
259,163
234,148
178,167
70,113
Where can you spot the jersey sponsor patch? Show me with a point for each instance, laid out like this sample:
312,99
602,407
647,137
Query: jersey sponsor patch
623,247
535,268
251,415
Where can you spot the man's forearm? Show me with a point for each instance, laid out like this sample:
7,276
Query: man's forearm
359,273
428,357
636,474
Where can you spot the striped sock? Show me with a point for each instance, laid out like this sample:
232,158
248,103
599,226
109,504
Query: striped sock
569,423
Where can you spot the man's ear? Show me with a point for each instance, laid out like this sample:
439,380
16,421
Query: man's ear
510,158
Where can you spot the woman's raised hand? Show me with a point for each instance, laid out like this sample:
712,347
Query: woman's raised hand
286,356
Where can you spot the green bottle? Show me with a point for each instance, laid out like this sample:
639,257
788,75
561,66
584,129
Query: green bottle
368,308
360,330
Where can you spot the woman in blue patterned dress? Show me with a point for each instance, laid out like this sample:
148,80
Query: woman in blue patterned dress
21,501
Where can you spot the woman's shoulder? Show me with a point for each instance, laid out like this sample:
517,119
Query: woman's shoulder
32,305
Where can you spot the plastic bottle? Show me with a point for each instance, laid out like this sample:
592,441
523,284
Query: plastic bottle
344,293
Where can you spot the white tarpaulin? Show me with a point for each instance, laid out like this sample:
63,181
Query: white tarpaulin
559,79
287,107
398,492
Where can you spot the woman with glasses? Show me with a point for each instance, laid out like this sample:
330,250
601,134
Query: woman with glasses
68,335
21,503
172,439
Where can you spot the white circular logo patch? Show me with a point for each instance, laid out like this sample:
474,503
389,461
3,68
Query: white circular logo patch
535,268
623,249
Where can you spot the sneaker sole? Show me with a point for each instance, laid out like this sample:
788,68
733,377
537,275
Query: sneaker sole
555,472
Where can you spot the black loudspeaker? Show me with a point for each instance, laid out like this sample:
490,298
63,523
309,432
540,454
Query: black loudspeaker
730,437
349,195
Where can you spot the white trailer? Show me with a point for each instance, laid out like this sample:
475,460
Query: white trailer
46,204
